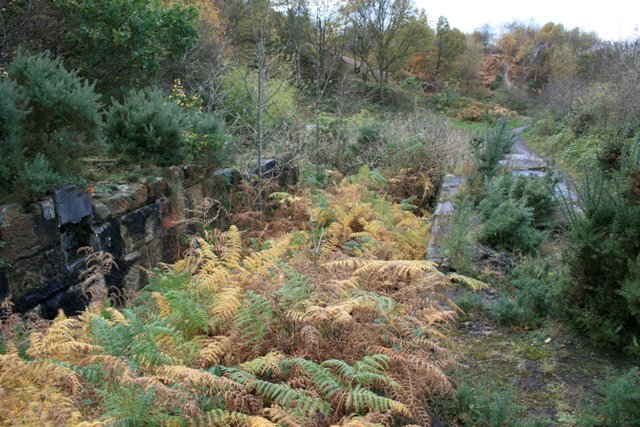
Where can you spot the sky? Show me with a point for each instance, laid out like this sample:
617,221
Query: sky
610,19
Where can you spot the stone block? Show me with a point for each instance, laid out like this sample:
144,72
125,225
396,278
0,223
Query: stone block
195,197
100,211
127,198
25,234
48,208
72,205
228,177
70,300
141,226
108,237
192,175
157,189
4,285
34,279
165,249
136,278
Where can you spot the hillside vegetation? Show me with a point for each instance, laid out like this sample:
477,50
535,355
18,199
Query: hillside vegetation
317,306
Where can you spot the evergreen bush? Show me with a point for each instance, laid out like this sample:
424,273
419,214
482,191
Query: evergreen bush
601,296
50,117
147,126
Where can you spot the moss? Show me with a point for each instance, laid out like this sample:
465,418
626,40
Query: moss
534,353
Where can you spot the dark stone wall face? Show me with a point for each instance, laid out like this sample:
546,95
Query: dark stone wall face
139,224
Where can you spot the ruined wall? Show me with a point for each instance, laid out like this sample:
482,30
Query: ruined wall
139,223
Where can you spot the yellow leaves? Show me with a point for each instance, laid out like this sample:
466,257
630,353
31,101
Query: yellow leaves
227,303
63,341
281,416
164,308
194,380
233,251
37,393
399,269
473,284
260,262
267,364
255,421
212,351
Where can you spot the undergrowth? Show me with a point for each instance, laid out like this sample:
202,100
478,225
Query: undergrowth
340,323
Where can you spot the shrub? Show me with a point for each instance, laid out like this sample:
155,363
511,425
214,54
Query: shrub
458,243
49,116
510,206
147,126
487,150
63,116
13,112
530,298
477,406
604,236
206,142
509,225
469,302
536,192
36,177
620,403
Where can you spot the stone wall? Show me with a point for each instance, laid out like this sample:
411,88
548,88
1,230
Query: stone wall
139,223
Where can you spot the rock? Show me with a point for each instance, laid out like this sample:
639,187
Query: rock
71,301
75,237
442,215
195,197
445,208
192,175
108,237
100,211
528,173
450,186
268,167
25,234
229,177
45,208
48,208
156,189
4,285
128,197
144,225
523,162
71,205
135,277
35,279
165,249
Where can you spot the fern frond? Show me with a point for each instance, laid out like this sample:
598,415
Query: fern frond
253,319
164,309
226,304
268,364
282,417
233,251
361,400
212,351
473,284
222,418
265,259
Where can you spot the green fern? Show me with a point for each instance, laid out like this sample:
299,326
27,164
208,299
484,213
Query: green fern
301,402
253,320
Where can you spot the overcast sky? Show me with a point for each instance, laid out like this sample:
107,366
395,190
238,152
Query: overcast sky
610,19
